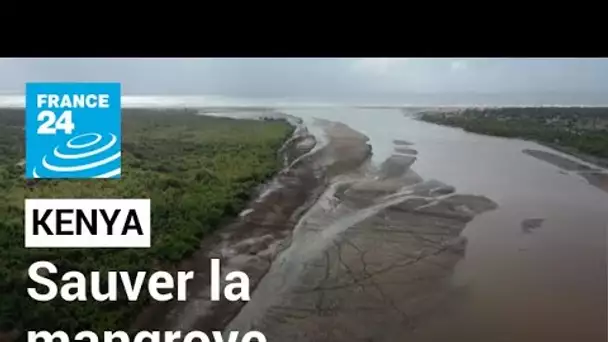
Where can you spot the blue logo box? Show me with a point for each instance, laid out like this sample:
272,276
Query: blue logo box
72,130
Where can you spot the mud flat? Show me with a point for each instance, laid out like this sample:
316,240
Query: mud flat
400,142
368,261
593,175
597,179
559,161
251,242
603,162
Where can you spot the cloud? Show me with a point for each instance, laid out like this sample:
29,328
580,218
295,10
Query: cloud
458,65
377,66
342,78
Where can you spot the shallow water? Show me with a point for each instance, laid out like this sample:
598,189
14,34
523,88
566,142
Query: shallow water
546,284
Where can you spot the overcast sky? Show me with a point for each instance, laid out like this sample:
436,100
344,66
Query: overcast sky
317,78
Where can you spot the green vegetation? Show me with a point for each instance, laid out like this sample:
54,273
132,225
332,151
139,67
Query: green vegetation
575,129
198,172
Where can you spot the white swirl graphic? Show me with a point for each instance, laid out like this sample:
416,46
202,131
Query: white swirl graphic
97,139
59,158
85,154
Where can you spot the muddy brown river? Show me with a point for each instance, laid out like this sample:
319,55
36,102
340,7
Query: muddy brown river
533,267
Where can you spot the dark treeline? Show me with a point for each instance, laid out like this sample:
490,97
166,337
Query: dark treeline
198,171
580,129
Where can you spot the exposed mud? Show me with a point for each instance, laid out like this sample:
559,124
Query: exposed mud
399,142
404,150
593,175
368,261
597,179
250,243
559,161
529,225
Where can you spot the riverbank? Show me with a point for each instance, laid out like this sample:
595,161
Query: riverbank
261,231
579,131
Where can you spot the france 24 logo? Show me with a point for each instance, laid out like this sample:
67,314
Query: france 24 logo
73,130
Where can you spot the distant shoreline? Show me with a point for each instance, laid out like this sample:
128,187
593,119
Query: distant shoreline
173,102
553,133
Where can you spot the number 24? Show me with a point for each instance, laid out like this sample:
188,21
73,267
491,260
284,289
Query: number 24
49,120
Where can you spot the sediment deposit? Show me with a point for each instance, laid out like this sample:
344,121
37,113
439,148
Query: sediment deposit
368,260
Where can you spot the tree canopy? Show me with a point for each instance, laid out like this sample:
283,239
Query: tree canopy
197,170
